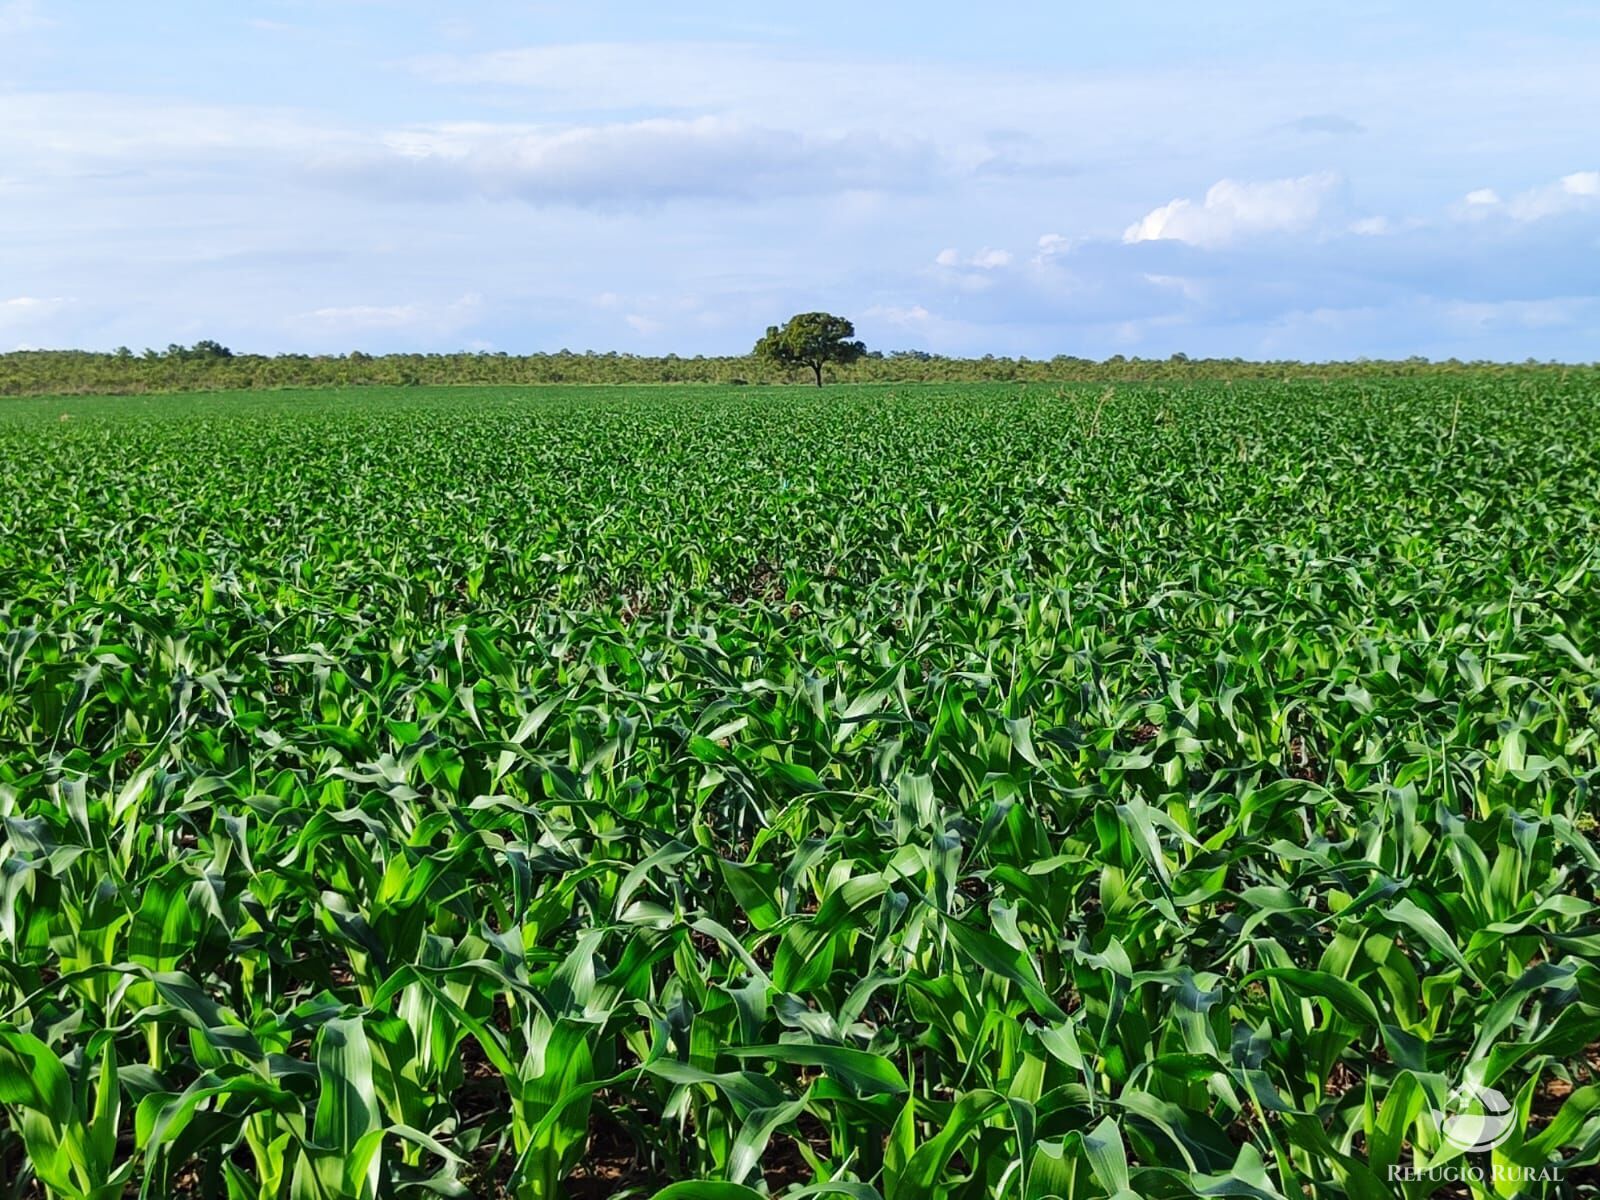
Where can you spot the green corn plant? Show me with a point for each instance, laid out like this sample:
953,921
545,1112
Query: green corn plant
930,791
69,1128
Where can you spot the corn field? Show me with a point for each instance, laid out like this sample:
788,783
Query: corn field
918,793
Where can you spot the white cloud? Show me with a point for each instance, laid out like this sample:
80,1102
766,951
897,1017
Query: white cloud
32,304
19,16
71,134
1133,333
1189,289
1523,314
905,317
211,208
31,315
1582,183
357,318
1326,123
641,72
1572,192
1233,209
21,310
609,165
1069,125
369,316
629,163
651,313
983,260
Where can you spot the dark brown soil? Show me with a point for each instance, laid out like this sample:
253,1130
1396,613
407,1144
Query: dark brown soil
764,583
1302,763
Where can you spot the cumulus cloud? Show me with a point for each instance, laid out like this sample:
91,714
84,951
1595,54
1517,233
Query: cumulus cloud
1328,123
674,313
369,316
643,73
1570,193
20,310
1189,289
1576,192
359,318
19,16
54,135
698,162
1528,314
31,304
31,316
913,316
630,163
1233,209
1052,244
606,165
982,260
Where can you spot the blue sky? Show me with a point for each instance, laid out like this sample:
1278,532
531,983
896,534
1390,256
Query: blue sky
1313,180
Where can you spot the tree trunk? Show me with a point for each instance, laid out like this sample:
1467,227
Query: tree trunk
817,367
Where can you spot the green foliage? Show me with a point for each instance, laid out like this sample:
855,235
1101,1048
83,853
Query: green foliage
73,372
810,340
892,793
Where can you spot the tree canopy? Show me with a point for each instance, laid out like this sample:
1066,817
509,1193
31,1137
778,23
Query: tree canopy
810,340
127,372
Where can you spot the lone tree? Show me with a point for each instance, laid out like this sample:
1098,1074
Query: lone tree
810,340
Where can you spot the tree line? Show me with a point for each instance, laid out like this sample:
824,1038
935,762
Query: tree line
209,366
